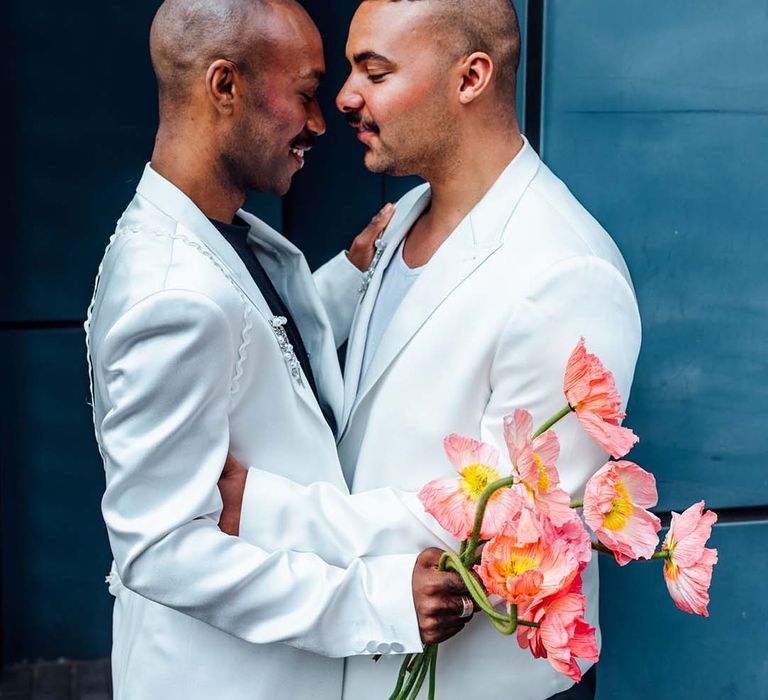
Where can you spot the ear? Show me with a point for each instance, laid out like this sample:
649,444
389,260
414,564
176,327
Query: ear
221,85
476,72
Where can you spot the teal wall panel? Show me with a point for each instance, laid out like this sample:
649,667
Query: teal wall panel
81,129
54,553
653,650
656,115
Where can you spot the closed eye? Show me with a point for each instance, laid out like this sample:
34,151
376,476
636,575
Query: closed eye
377,77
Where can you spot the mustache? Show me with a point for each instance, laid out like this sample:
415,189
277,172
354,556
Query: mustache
355,120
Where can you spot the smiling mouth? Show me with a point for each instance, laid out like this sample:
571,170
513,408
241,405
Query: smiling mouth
298,153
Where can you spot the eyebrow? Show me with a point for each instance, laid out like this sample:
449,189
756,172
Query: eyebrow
369,56
313,75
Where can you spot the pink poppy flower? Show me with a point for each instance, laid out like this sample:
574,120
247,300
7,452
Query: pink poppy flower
575,535
452,502
563,635
614,507
688,570
535,463
591,393
527,561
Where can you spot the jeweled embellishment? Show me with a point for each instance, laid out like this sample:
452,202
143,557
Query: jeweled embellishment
289,355
380,246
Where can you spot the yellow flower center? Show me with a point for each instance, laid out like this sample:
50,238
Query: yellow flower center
517,565
543,483
621,509
475,477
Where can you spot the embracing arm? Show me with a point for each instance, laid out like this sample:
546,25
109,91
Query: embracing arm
163,371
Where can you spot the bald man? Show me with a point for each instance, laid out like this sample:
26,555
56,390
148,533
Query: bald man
488,276
207,334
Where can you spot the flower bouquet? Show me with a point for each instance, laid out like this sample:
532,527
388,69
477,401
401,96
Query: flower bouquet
526,543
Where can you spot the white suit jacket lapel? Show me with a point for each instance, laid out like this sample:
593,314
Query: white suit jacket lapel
466,249
289,272
405,216
194,226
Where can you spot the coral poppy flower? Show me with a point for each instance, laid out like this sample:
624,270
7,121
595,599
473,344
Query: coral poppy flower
452,502
688,570
614,502
591,393
527,561
535,463
563,634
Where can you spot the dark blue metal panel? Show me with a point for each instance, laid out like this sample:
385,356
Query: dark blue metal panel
653,650
54,545
656,116
82,126
334,196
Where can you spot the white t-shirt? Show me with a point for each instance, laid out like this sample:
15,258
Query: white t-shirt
397,280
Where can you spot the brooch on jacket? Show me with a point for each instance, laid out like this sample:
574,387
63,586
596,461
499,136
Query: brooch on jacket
368,276
289,354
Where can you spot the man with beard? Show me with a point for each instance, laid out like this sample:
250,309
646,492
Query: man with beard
206,334
485,281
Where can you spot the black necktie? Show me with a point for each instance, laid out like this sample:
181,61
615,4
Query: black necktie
236,235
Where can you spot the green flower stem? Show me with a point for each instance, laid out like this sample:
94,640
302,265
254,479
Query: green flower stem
577,504
472,585
554,419
414,669
433,675
401,677
469,552
427,660
600,547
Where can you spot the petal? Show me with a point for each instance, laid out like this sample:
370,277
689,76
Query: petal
614,439
463,451
446,501
640,484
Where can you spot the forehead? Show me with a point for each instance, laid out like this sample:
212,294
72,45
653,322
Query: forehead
295,43
393,29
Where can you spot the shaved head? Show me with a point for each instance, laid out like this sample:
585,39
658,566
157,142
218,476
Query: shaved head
490,26
188,35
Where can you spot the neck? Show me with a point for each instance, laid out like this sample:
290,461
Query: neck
456,189
184,159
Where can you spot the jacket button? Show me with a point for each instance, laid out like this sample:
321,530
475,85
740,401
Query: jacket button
372,647
383,648
396,648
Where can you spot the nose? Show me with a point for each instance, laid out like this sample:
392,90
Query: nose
316,121
349,99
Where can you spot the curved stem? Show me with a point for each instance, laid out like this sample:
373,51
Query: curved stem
661,554
577,504
473,586
554,419
469,552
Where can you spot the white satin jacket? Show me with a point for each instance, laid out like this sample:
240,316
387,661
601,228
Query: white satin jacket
487,328
187,364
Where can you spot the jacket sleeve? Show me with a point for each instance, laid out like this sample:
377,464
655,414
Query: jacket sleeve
338,283
582,296
163,371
